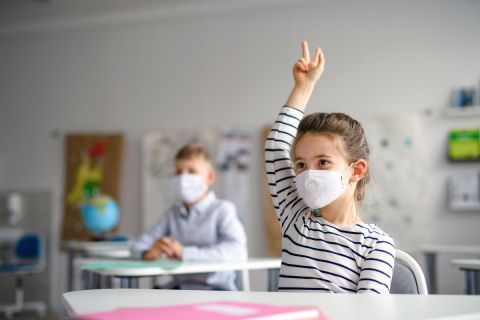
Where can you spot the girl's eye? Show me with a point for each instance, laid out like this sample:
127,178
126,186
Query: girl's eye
300,165
323,162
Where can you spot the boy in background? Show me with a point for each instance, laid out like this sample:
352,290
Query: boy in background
199,227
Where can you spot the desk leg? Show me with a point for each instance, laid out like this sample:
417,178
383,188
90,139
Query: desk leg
245,280
108,282
88,280
273,279
71,256
97,280
124,283
471,281
128,282
431,258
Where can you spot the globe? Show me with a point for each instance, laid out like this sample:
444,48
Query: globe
100,214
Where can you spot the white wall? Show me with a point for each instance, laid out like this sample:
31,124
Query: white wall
164,67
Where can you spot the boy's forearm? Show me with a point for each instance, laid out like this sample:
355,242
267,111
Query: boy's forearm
300,96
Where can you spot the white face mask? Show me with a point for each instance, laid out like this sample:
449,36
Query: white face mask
319,188
188,187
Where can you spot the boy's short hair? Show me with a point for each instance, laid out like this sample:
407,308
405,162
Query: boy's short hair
193,150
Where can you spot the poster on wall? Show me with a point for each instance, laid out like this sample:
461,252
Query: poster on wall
91,199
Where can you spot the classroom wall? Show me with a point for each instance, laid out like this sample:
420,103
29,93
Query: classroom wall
175,66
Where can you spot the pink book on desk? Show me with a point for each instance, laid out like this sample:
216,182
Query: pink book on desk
216,310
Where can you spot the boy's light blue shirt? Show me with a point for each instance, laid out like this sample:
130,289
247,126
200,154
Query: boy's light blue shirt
210,232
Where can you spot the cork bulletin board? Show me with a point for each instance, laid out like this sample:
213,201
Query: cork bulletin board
90,160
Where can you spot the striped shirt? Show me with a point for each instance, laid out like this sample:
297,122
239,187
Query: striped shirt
316,254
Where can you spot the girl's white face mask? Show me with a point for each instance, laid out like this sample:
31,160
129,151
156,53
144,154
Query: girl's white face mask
318,188
188,187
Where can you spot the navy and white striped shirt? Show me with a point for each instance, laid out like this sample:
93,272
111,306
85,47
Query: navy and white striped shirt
316,254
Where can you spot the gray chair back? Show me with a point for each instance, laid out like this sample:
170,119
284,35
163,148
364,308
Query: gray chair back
407,276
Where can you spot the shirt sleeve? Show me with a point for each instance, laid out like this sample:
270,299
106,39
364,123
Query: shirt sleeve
279,165
231,244
377,269
145,241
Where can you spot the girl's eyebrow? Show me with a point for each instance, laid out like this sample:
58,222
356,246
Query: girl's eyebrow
323,156
316,157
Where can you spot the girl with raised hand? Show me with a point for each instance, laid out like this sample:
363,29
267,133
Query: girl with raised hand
317,170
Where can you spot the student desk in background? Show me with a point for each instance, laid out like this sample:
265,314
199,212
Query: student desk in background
430,252
130,271
334,306
97,249
471,267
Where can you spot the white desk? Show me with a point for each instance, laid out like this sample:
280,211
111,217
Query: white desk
98,249
430,252
471,267
335,306
129,275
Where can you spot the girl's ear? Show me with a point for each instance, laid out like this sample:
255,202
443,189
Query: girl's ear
359,170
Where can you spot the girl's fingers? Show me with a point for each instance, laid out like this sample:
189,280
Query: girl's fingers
306,53
317,58
304,63
300,66
321,60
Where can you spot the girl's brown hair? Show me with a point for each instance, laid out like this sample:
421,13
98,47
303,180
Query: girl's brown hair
344,129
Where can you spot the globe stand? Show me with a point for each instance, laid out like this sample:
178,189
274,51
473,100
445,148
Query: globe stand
99,238
109,236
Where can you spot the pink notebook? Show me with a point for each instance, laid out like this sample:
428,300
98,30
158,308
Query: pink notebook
216,310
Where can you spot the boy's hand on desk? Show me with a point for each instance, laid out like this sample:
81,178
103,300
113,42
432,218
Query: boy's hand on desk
152,254
172,248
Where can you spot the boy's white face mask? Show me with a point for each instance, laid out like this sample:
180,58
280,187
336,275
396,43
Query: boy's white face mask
188,187
318,188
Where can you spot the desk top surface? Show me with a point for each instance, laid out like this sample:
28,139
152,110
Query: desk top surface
440,248
335,306
471,264
144,268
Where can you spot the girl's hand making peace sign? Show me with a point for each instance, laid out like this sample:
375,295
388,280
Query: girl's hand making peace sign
306,73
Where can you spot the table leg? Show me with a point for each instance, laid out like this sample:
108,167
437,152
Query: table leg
108,282
471,281
97,280
124,283
273,279
88,280
71,256
129,282
245,280
431,258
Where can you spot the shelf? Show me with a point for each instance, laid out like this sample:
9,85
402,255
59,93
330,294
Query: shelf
462,112
463,161
464,207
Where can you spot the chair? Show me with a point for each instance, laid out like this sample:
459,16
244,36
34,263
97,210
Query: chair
407,276
29,259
